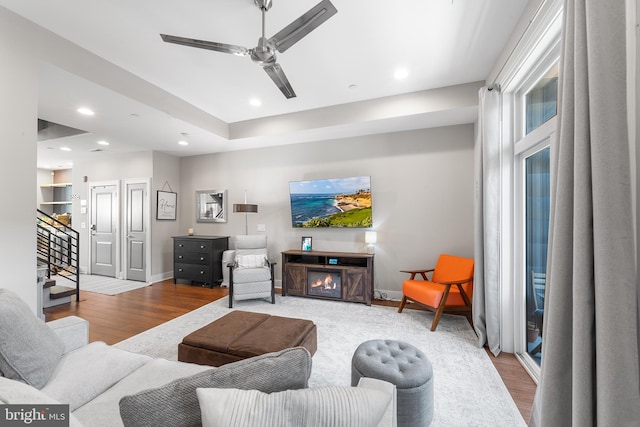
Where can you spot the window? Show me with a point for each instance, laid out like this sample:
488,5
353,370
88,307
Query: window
542,100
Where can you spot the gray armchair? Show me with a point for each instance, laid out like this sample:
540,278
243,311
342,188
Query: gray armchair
248,271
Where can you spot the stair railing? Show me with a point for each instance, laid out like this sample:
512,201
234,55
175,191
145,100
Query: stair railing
58,246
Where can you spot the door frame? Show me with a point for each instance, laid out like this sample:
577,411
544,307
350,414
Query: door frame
147,218
90,186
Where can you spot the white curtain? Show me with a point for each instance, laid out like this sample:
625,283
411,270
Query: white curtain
590,340
486,291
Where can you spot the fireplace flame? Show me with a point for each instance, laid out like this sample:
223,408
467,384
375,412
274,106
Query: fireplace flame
327,283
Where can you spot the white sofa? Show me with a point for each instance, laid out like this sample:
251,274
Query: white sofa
106,386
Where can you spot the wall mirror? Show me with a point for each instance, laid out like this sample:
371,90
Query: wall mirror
211,206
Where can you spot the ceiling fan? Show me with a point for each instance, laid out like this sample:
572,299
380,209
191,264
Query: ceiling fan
265,53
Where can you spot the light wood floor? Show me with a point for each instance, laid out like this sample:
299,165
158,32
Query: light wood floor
115,318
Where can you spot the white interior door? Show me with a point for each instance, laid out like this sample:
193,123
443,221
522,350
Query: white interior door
137,249
104,227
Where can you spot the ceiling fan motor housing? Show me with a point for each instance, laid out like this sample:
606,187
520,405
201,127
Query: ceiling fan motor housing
264,54
263,4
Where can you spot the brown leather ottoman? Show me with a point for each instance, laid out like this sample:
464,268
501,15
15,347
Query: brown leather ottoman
241,334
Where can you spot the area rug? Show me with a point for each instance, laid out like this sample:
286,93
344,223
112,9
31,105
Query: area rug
103,285
468,389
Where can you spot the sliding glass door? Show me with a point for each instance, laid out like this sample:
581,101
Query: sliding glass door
537,204
533,166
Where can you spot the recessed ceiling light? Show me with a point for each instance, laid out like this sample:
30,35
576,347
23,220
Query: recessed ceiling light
183,142
65,148
85,111
103,143
401,73
255,102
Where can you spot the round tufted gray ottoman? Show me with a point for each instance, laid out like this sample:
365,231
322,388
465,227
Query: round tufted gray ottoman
405,366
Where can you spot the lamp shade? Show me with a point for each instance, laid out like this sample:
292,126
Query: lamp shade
245,208
370,237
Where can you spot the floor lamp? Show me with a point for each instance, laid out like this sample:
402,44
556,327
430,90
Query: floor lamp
245,208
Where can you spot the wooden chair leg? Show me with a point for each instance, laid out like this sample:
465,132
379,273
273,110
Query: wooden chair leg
230,286
402,304
273,285
440,310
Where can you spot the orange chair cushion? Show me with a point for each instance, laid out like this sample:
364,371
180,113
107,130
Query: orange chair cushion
450,268
430,294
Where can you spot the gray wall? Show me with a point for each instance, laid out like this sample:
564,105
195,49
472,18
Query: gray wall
422,191
18,118
166,177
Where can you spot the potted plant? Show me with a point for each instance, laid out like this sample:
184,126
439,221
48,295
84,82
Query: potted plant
532,332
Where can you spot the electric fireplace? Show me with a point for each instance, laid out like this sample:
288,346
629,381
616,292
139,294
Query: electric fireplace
324,283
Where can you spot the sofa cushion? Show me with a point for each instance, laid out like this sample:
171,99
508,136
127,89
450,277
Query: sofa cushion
14,392
17,392
85,373
313,407
29,350
104,410
176,403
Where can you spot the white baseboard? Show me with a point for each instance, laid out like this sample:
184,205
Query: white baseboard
160,277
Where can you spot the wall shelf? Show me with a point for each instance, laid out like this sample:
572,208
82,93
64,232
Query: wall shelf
56,198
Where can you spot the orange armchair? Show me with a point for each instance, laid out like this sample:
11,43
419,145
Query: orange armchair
450,288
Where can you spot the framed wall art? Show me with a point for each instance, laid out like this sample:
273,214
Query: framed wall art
167,204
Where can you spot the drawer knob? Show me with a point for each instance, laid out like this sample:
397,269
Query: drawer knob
201,258
180,270
180,256
202,246
201,272
181,245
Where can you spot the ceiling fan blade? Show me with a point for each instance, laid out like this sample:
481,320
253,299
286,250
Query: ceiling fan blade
279,78
302,26
203,44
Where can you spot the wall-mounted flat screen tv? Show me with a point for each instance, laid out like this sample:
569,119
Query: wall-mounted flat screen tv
338,202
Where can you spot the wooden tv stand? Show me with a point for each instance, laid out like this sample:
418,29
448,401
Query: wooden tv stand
353,273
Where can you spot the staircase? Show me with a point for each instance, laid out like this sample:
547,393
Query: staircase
58,251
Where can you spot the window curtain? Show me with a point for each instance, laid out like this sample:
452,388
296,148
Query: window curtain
486,289
590,339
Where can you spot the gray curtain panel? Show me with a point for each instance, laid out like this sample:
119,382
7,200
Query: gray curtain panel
486,282
590,338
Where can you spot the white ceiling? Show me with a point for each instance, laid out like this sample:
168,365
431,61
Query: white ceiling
440,42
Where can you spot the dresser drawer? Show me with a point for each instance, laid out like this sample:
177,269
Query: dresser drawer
192,257
200,273
192,245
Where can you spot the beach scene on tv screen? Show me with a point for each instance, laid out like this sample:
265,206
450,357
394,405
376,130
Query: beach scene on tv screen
338,202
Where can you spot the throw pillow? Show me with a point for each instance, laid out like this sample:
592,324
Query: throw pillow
312,407
176,403
251,261
29,349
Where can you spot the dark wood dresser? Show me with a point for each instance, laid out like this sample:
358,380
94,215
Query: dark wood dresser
198,259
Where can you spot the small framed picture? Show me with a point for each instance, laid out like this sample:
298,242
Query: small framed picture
167,205
306,243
